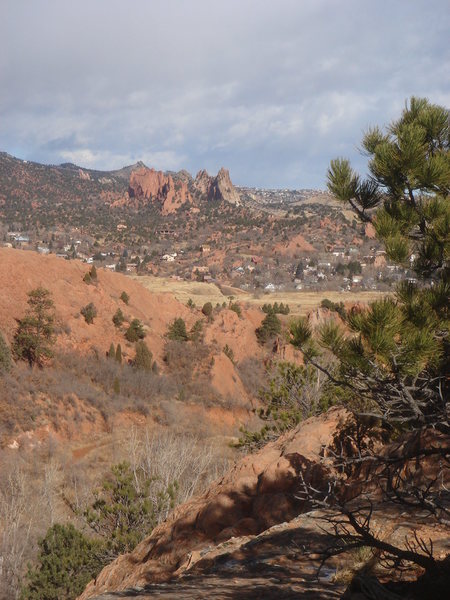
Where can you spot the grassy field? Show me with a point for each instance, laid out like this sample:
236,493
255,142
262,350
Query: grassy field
300,302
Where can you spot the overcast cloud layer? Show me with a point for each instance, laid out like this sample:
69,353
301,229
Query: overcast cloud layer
270,89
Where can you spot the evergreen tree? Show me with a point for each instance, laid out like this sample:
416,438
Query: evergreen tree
135,331
89,313
5,355
35,335
394,361
112,351
196,333
66,562
118,318
125,297
93,273
406,196
143,358
118,355
177,330
124,512
116,385
270,328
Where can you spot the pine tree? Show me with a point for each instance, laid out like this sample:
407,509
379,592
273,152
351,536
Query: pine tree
393,359
35,335
112,351
125,510
5,356
135,331
118,318
177,330
93,274
270,327
66,562
118,355
89,313
143,358
125,297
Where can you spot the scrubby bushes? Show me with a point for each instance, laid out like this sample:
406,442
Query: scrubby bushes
293,394
337,307
235,307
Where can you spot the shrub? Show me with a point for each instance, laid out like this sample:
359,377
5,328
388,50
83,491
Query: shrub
177,330
118,318
89,313
125,297
234,306
190,303
207,309
135,331
334,307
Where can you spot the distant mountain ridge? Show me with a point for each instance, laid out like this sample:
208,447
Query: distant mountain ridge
132,185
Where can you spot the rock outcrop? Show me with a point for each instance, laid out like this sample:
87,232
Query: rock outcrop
217,188
155,186
255,495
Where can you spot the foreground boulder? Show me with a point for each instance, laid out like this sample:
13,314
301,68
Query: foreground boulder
256,494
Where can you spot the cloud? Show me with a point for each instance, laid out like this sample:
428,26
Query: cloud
272,90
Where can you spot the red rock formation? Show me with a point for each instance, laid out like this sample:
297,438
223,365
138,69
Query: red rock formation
148,184
217,188
256,494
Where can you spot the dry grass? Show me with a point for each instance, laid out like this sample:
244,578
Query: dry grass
300,302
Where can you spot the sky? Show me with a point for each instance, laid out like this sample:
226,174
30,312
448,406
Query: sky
270,89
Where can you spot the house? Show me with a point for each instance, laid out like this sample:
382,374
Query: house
339,251
270,287
170,257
